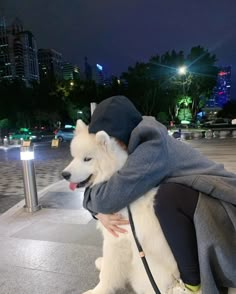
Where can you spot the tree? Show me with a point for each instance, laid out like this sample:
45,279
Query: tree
153,86
156,86
150,101
162,117
184,112
201,65
4,125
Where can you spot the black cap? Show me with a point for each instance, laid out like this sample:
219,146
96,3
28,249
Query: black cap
117,116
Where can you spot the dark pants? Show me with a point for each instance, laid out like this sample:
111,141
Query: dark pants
174,206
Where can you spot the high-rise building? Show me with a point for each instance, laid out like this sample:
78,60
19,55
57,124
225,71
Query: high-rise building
18,52
221,92
94,72
87,70
99,74
70,72
50,64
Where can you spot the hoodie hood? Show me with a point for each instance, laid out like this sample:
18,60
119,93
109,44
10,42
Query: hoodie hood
117,116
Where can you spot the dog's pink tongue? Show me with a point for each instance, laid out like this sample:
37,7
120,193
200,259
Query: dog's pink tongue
73,186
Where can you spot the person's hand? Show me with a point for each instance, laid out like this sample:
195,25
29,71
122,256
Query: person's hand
112,223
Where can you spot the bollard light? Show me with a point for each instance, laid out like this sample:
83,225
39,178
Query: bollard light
27,155
30,188
5,142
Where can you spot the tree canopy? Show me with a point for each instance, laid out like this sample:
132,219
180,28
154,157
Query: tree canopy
155,87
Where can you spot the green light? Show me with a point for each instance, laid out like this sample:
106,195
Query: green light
185,122
24,129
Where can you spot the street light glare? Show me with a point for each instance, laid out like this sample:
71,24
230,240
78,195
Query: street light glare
182,70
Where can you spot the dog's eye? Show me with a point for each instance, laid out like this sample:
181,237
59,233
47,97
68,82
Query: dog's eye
87,158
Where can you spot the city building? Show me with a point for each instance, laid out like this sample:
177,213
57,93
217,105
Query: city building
221,92
18,52
50,64
70,72
88,73
94,72
99,74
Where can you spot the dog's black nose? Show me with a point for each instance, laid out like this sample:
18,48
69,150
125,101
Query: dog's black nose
66,175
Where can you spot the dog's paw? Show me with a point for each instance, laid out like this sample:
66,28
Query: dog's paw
98,263
88,292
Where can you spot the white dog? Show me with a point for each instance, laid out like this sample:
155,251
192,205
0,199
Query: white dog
96,158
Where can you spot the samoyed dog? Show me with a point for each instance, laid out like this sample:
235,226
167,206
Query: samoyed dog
95,158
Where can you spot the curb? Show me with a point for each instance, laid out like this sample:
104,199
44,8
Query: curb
11,211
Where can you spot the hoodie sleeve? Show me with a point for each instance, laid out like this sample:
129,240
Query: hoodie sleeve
145,168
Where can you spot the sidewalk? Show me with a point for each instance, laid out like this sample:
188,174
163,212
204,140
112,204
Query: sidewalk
53,250
49,163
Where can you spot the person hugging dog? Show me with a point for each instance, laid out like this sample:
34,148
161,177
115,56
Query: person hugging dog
195,196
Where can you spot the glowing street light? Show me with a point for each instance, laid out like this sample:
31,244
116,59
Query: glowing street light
182,70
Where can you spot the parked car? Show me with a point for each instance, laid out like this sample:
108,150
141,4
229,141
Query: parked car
218,123
22,133
36,136
65,134
26,134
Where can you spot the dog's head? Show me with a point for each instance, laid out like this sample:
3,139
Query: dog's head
96,157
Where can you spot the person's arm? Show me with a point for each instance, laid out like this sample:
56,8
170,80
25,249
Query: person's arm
145,168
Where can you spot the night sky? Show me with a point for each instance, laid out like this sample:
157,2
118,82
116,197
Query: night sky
117,33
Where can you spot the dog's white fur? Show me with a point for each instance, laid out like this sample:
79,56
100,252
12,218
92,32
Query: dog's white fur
121,263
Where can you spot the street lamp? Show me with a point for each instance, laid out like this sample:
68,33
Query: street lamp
182,70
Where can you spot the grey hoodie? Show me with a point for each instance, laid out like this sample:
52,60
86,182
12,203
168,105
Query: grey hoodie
154,157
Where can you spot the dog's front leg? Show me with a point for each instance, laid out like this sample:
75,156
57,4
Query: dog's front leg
115,266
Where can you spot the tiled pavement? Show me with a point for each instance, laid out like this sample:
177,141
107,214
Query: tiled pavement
48,168
48,171
220,150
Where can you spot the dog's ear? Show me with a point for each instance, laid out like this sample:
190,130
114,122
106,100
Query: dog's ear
102,138
80,127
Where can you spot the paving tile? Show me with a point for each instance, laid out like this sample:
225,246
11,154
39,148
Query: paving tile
62,233
18,280
74,260
25,253
63,216
59,200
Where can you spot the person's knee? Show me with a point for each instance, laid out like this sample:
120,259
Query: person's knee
172,198
165,200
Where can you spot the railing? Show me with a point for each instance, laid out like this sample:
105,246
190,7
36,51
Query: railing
221,133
